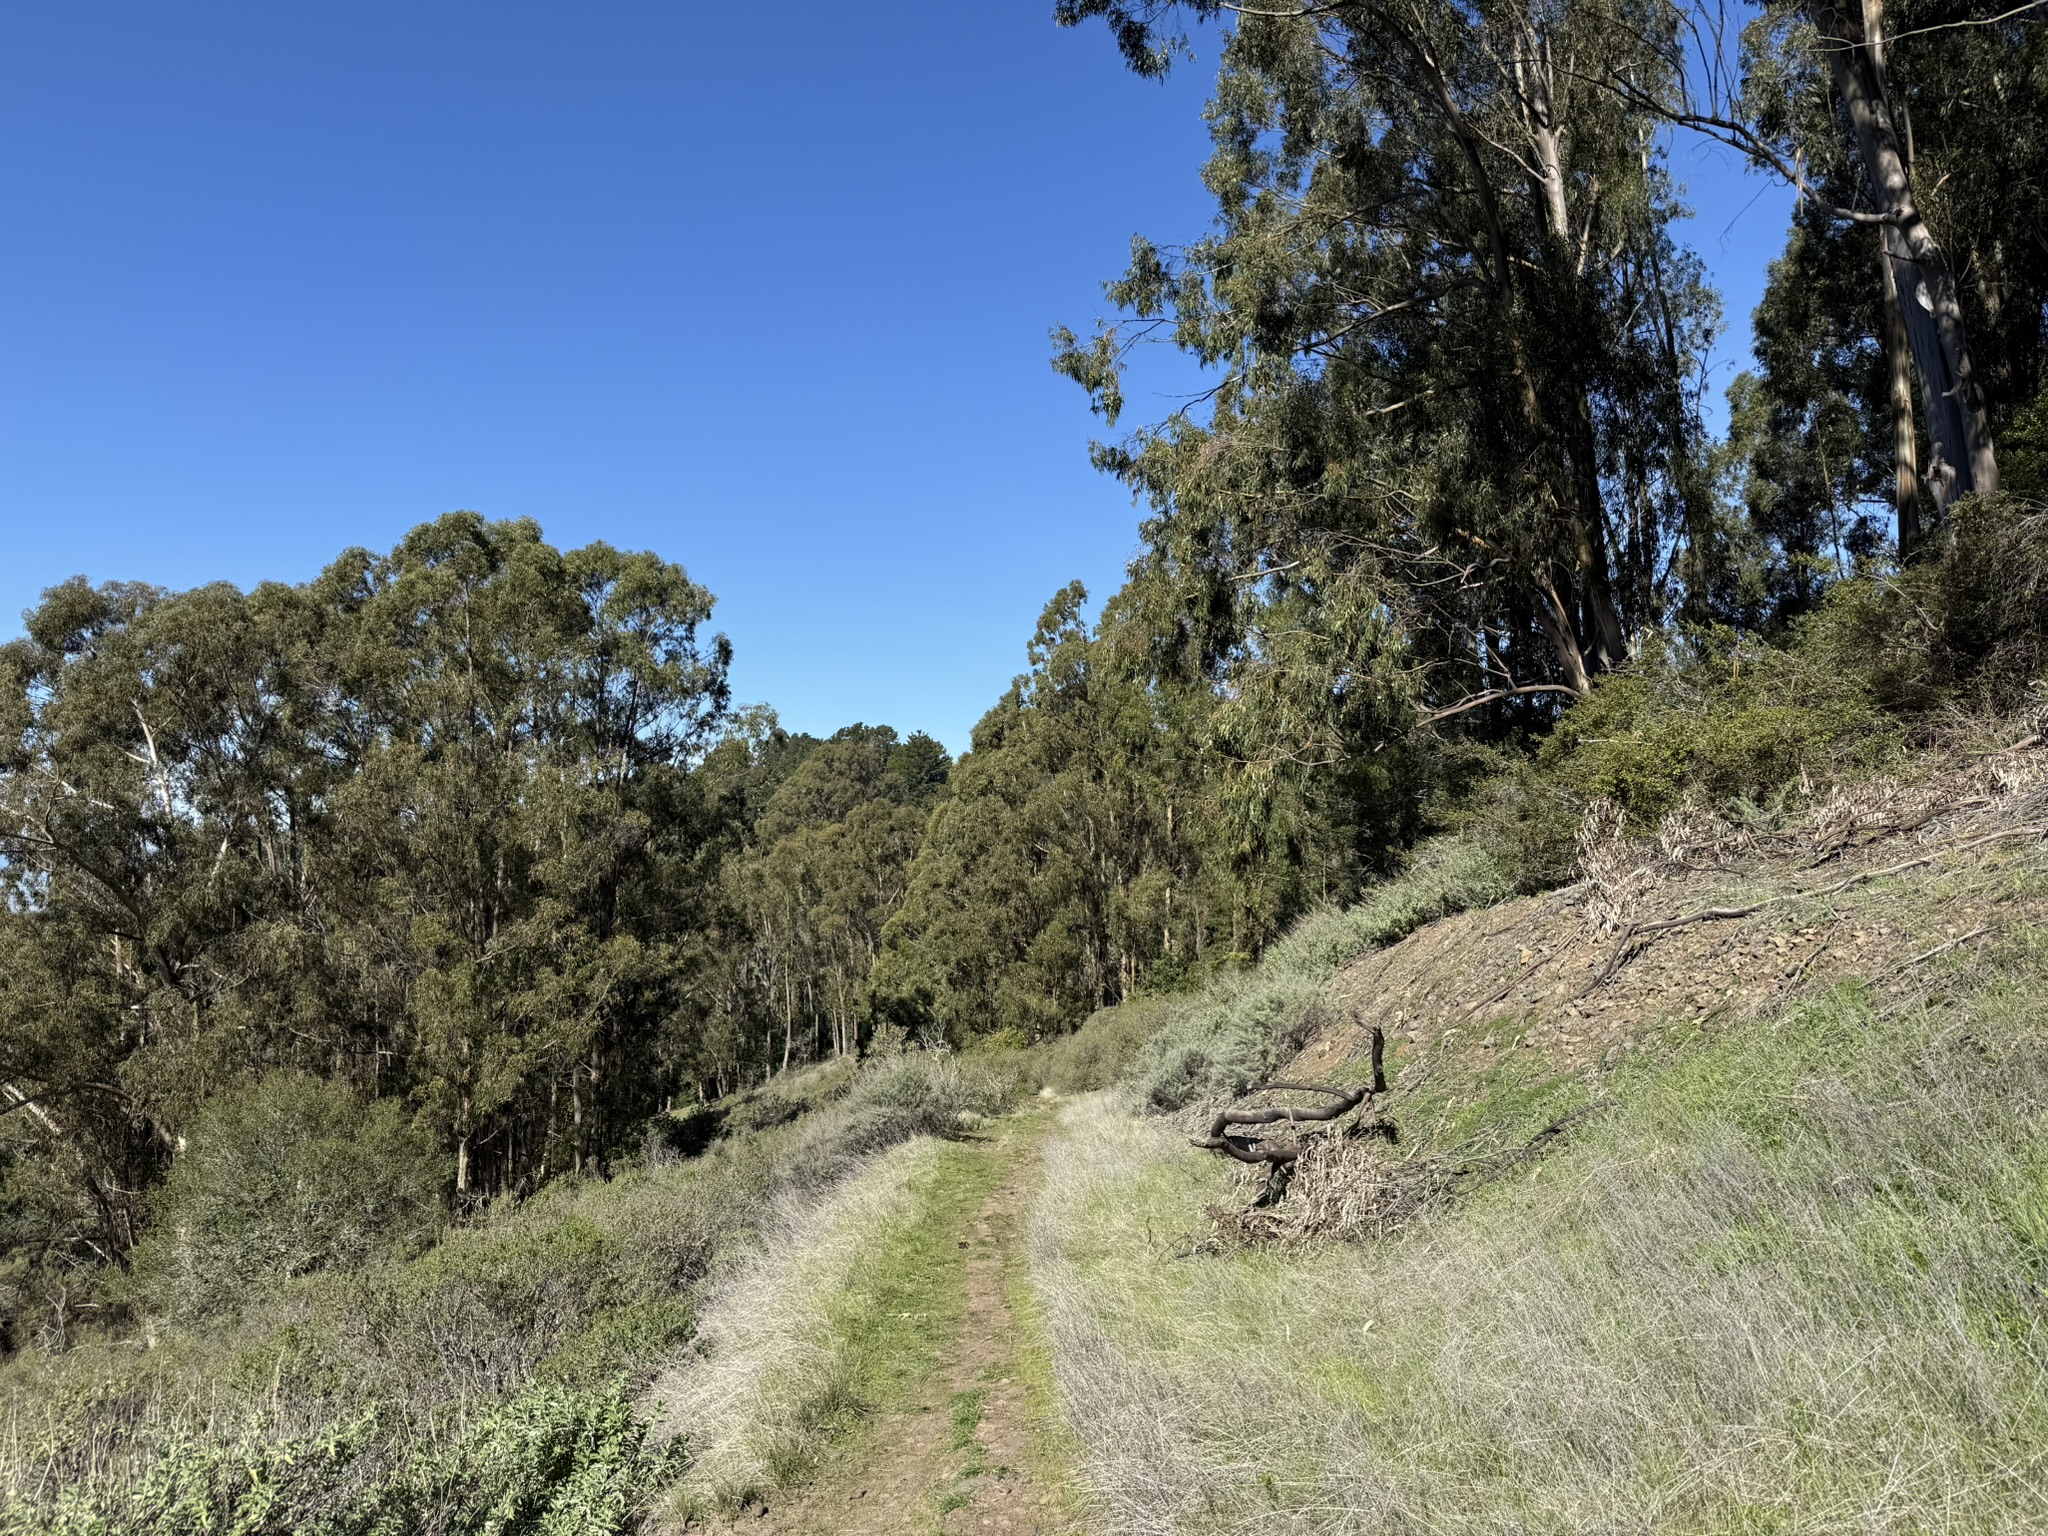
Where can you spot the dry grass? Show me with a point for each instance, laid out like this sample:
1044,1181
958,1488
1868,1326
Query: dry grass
770,1375
1792,1280
352,1391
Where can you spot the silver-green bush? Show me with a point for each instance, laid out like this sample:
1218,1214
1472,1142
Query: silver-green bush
1233,1034
283,1177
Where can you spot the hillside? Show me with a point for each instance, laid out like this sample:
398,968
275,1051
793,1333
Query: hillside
1479,977
1739,1224
1716,1196
1707,922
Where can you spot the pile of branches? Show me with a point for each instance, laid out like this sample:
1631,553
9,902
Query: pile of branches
1341,1191
1329,1183
1232,1131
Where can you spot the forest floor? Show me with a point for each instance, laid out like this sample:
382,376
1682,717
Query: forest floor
978,1447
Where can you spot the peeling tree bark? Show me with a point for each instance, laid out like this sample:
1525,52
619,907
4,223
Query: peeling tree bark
1962,459
1898,354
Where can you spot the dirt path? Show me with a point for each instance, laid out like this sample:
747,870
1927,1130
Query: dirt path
967,1455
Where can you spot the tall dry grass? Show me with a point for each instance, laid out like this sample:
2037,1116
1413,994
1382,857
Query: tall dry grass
769,1376
1795,1281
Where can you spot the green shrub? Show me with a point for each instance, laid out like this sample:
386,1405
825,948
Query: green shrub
1529,823
1724,717
1966,623
549,1462
917,1093
283,1177
1103,1048
1235,1033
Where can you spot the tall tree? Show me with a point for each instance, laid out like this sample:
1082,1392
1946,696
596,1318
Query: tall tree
826,867
1922,122
426,825
1096,841
1456,346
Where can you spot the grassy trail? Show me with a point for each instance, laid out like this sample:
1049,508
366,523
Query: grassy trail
960,1434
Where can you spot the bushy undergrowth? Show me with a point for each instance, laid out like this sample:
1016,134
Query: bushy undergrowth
1233,1034
1795,1279
1101,1051
285,1176
1968,626
1721,718
1749,725
483,1385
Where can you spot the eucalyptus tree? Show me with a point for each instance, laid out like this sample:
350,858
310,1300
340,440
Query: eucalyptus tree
1797,57
1452,452
1918,137
161,783
826,866
1081,852
516,848
426,825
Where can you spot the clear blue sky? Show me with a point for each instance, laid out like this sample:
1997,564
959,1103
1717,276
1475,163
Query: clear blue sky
763,288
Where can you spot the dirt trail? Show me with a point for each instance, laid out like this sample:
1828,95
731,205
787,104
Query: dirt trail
960,1459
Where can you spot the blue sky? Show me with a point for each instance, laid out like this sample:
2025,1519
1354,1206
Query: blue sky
765,289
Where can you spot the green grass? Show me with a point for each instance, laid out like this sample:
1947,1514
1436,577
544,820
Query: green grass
846,1313
903,1305
966,1416
1793,1278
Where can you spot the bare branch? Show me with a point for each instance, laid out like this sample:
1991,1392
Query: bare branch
1277,1155
1492,696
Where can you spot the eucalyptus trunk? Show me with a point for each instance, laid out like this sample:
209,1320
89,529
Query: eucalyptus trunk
1959,433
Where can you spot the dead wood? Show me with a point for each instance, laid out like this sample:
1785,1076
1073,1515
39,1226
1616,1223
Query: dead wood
1940,949
1225,1130
1634,939
1342,1192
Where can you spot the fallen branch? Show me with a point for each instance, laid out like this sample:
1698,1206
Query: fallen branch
1340,1192
1940,949
1628,945
1279,1155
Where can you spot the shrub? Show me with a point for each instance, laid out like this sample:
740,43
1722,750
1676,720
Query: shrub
1723,717
1527,821
1237,1031
917,1093
549,1462
1966,623
283,1177
1103,1048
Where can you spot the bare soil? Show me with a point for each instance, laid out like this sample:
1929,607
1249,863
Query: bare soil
1896,884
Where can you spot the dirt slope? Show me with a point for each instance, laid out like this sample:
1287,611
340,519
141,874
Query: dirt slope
1707,923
